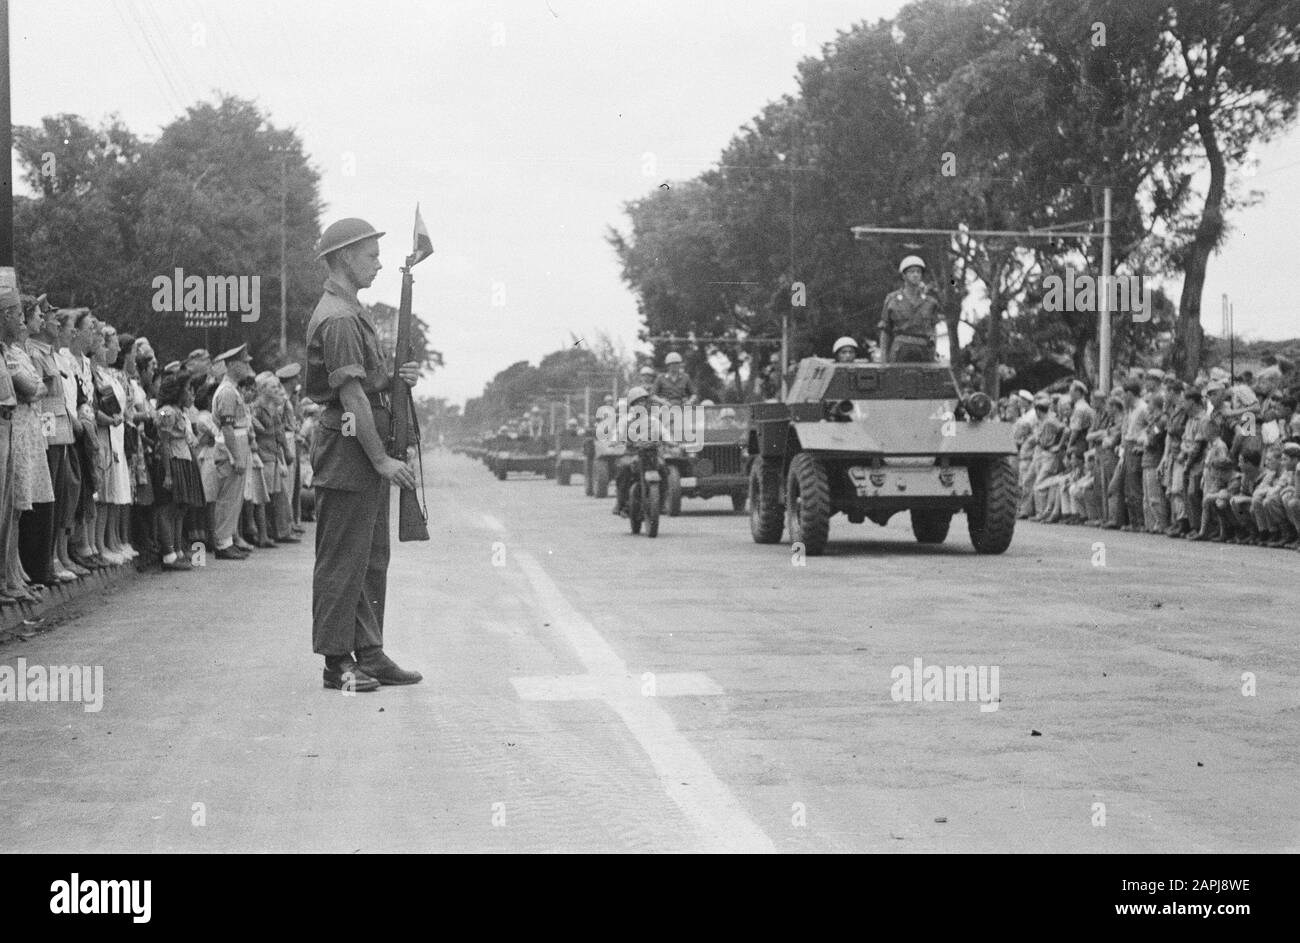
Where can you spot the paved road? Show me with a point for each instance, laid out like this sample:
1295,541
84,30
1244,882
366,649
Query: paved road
586,690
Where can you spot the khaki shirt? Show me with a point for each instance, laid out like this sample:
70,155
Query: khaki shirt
342,344
675,389
230,411
903,315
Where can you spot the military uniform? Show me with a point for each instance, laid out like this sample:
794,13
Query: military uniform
350,580
676,389
230,413
909,323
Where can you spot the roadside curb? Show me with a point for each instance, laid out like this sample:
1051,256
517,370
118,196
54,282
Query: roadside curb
21,620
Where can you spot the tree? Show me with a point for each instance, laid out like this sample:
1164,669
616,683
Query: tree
112,212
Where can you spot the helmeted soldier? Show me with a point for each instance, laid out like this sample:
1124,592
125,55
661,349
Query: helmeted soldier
347,374
909,317
638,398
845,350
675,386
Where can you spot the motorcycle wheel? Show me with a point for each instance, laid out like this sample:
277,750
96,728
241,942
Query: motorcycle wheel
652,510
634,507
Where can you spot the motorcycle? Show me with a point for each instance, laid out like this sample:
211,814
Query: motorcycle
645,497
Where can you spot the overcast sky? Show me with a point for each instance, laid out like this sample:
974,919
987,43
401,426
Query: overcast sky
521,128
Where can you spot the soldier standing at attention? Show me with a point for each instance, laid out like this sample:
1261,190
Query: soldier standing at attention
232,453
346,374
907,323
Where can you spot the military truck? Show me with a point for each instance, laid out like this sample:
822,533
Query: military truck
716,464
523,454
569,457
870,440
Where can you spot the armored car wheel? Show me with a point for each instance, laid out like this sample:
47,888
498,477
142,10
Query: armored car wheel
930,527
501,473
991,515
738,501
808,504
561,474
766,518
673,491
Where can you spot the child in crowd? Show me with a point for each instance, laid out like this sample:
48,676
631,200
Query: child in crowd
182,488
256,496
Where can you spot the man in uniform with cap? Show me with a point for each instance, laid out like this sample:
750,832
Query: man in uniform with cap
347,375
232,453
909,317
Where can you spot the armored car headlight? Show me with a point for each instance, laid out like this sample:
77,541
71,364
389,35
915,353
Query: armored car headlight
978,405
839,412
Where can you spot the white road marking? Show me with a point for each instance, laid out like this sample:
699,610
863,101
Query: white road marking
683,773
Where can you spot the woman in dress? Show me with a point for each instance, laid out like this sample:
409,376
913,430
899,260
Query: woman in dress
31,472
115,494
257,496
269,429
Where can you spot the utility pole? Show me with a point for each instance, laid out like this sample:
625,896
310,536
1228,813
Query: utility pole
1103,301
284,265
8,276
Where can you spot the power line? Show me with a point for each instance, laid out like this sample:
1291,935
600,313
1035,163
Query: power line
174,62
159,77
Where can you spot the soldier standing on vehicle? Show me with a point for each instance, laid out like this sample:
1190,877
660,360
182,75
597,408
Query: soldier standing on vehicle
675,386
347,373
909,318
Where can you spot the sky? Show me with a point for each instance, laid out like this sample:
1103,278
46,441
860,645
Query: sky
521,128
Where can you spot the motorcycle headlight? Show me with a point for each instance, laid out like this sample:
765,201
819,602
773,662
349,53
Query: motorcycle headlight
978,405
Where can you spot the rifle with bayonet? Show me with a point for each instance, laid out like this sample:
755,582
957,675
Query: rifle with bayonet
412,522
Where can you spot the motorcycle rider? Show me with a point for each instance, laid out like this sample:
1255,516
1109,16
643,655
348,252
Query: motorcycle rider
638,431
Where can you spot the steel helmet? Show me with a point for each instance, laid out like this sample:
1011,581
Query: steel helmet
572,423
910,261
844,342
673,358
636,393
647,371
344,233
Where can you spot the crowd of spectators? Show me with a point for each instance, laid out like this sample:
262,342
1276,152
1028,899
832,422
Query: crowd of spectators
106,457
1212,460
